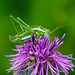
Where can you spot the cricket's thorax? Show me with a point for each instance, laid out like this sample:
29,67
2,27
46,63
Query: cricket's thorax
39,29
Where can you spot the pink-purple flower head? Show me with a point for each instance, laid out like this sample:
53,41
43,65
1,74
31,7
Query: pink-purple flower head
40,55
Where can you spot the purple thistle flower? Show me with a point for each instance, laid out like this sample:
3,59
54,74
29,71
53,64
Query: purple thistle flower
42,55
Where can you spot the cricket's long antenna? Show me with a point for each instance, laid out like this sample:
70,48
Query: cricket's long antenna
23,22
65,25
19,22
61,22
14,25
59,26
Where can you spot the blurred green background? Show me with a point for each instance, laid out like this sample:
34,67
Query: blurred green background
48,13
